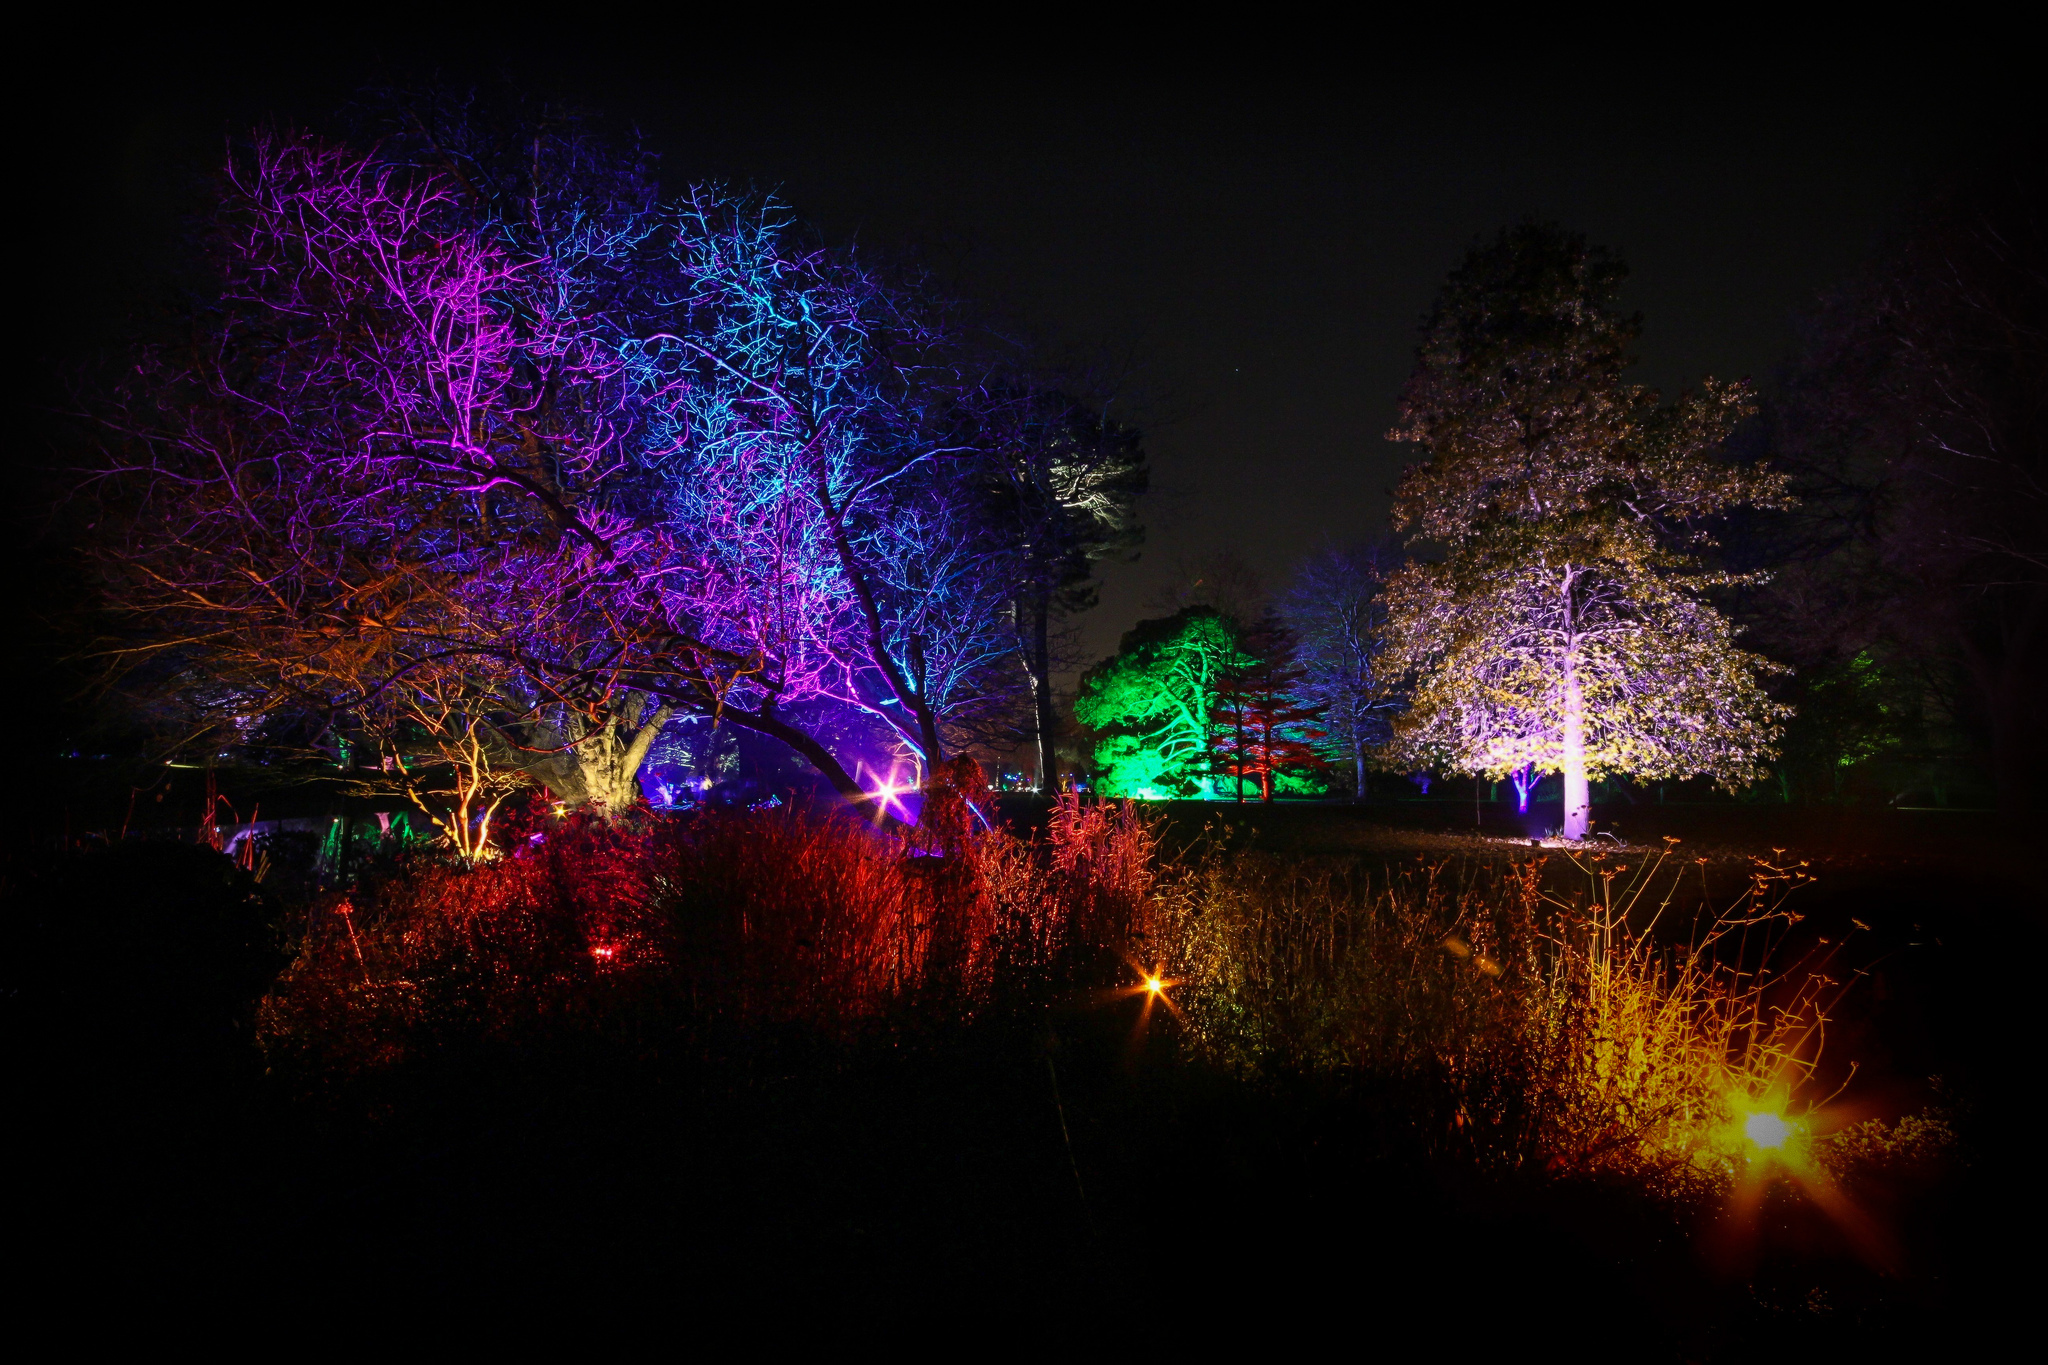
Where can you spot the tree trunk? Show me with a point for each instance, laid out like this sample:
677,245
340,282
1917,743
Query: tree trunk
1044,720
1239,755
1578,800
600,767
910,698
857,796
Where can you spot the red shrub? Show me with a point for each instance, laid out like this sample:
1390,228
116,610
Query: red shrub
739,918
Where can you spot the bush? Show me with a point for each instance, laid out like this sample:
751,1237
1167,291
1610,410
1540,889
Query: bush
712,924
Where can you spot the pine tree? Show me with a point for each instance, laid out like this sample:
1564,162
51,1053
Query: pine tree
1566,626
1264,725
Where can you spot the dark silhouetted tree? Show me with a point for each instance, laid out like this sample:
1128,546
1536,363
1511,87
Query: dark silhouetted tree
1336,605
1067,482
1916,427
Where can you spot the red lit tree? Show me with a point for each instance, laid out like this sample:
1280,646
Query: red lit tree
1264,725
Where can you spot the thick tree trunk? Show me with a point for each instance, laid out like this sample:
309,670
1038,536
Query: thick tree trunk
601,767
763,723
1578,799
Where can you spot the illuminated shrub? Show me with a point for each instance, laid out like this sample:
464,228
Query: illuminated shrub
716,921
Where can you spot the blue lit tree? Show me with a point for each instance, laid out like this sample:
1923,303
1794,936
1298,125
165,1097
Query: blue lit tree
1337,607
821,479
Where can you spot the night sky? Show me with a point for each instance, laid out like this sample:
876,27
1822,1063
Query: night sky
1252,253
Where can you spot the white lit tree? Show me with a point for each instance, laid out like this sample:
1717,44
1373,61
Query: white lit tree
1566,627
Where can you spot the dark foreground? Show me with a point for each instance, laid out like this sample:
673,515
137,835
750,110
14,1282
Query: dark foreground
1051,1179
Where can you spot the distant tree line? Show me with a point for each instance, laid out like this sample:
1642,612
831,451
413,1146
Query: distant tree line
483,461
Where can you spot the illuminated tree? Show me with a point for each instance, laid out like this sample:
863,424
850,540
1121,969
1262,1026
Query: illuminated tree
1067,480
1263,727
479,423
384,471
1337,608
1566,628
1153,705
823,481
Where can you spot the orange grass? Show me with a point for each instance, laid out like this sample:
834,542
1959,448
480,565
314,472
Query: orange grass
1618,1027
1581,1032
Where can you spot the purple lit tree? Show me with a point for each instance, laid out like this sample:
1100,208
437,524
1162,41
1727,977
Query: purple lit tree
1525,779
383,477
1566,628
484,455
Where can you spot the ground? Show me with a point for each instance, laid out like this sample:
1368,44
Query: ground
1055,1179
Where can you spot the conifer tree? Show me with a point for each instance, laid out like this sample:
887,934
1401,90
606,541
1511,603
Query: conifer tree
1566,625
1264,723
1153,704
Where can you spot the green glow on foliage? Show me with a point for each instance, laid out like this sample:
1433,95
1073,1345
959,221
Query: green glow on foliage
1152,705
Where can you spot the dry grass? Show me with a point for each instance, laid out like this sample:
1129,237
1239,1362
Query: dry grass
1585,1034
722,921
1577,1013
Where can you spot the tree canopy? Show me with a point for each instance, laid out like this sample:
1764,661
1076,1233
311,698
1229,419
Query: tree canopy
1566,625
1153,704
483,450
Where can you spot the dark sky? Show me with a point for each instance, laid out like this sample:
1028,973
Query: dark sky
1256,250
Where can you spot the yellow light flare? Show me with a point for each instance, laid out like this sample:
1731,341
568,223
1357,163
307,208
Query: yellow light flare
1761,1129
1768,1131
1154,985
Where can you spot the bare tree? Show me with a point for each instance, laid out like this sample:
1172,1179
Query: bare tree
1336,606
1215,578
387,467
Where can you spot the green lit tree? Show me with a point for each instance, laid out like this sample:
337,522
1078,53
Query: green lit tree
1566,626
1153,704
